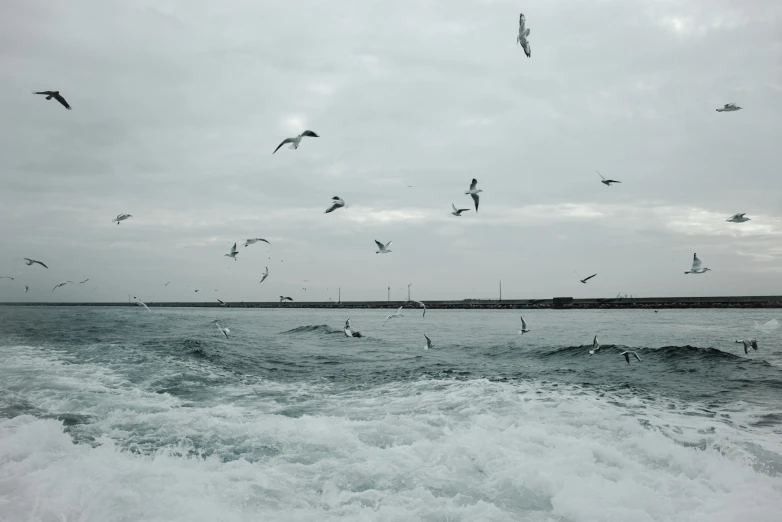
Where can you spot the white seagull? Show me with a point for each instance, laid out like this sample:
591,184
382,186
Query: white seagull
473,192
523,326
349,332
458,211
233,253
61,284
696,266
738,218
595,346
729,107
421,304
606,182
627,356
121,217
265,275
222,303
295,141
382,249
139,302
224,331
398,313
254,240
30,262
747,344
337,202
523,33
283,298
428,343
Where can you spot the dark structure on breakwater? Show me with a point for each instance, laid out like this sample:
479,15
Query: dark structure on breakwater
467,304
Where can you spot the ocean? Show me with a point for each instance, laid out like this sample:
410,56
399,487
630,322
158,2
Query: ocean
119,414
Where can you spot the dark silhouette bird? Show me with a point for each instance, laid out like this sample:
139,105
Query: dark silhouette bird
30,262
606,182
57,96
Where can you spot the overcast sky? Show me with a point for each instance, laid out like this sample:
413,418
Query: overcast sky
178,105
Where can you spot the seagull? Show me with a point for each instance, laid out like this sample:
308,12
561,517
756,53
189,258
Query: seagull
26,289
61,284
193,289
121,217
729,107
295,141
458,211
522,38
523,326
165,285
428,343
265,275
349,332
606,182
221,303
224,331
248,242
57,96
595,346
337,202
474,193
7,277
282,298
627,353
139,302
421,304
82,282
696,266
382,249
751,342
398,313
30,262
584,281
233,253
738,218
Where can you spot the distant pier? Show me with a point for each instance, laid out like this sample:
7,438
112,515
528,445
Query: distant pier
481,304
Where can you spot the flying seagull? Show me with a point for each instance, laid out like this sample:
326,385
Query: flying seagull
165,285
523,326
221,303
428,343
474,193
627,356
265,275
295,141
729,107
747,344
139,302
595,346
26,289
30,262
57,96
696,266
252,241
193,289
522,38
121,217
336,203
233,253
7,277
458,211
82,282
382,249
61,284
606,182
349,332
421,304
584,281
738,218
398,313
283,298
224,331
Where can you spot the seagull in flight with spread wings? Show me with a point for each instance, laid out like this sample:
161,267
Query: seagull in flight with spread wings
30,262
337,202
421,304
584,281
697,266
265,275
57,96
121,217
295,141
428,343
729,107
398,313
522,37
61,284
523,326
233,253
473,192
382,249
224,331
248,242
738,218
747,344
606,182
595,346
458,211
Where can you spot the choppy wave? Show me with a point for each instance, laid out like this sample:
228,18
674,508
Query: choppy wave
313,328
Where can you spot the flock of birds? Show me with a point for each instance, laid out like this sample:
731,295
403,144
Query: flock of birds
383,248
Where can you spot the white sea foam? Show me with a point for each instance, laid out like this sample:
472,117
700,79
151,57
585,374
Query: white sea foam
423,450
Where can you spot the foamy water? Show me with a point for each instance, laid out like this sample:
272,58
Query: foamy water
191,428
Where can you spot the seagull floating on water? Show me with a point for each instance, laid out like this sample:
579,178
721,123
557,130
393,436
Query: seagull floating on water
729,107
248,242
61,284
627,356
233,253
349,332
738,218
224,331
523,326
121,217
595,346
295,141
747,344
473,192
382,249
57,96
31,262
336,203
265,275
606,182
696,266
523,33
458,211
283,298
398,313
428,343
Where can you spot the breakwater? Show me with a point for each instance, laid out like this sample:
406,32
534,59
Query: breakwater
555,303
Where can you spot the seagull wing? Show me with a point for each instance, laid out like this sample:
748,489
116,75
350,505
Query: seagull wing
219,301
636,356
43,265
476,199
380,245
590,277
696,262
428,341
261,239
286,140
310,134
454,208
523,324
60,99
627,357
334,206
598,173
234,250
144,305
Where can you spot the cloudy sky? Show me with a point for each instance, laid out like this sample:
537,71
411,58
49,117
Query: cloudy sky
178,105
